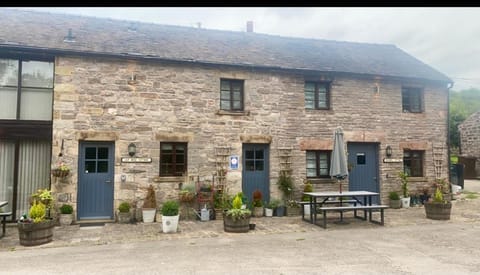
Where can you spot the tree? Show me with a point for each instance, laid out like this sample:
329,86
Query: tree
462,105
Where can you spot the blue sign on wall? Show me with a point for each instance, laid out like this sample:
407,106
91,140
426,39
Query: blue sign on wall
233,162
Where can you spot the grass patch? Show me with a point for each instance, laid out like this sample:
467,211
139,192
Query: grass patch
471,195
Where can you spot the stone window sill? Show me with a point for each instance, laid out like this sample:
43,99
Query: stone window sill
231,113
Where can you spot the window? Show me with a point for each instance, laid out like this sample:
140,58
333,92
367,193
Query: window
413,163
317,95
412,99
173,158
26,89
318,164
231,95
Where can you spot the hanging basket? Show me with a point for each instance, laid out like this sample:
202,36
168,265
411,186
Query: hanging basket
60,173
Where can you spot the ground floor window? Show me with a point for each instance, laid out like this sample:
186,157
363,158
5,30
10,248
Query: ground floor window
24,168
173,158
318,164
413,163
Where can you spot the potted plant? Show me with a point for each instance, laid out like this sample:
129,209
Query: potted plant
187,193
395,201
61,170
279,211
269,207
170,216
257,203
237,219
66,214
37,228
438,208
424,197
308,187
404,181
285,185
124,215
149,205
44,196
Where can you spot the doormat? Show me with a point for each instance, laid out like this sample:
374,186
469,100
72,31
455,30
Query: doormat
92,224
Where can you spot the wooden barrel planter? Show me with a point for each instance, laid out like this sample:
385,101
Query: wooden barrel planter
235,226
31,234
438,211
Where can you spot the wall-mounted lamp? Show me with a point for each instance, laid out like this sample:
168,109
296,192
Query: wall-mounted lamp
388,151
132,149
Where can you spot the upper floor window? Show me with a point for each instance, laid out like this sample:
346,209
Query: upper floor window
317,95
318,164
26,89
231,95
413,163
173,158
412,100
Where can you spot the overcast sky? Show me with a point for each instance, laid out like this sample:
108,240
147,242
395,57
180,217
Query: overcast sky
448,39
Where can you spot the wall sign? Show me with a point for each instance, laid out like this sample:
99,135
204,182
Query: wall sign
132,160
233,162
392,160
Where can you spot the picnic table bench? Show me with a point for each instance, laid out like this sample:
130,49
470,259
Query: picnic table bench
4,216
366,208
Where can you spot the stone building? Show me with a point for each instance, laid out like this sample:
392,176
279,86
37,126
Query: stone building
192,102
470,145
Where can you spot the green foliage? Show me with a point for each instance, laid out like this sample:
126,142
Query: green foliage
285,184
438,197
237,214
222,200
37,211
237,202
124,207
187,193
462,105
44,196
404,180
170,208
274,203
393,196
150,200
66,209
308,187
257,198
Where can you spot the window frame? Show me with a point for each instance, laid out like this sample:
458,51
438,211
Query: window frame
327,85
412,170
318,174
22,89
173,164
231,100
409,95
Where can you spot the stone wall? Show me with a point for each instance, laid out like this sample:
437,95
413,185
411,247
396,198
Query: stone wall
470,140
146,103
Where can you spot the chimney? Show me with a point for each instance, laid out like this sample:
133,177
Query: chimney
249,26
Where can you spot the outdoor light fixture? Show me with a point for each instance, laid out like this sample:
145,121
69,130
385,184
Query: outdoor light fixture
388,151
132,149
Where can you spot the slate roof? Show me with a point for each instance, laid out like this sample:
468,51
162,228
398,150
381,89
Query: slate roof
40,30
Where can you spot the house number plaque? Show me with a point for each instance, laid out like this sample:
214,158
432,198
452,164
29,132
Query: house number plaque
142,160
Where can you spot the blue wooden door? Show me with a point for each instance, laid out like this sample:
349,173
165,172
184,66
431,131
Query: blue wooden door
363,164
95,180
255,173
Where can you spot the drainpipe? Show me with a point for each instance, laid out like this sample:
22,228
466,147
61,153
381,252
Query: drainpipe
450,85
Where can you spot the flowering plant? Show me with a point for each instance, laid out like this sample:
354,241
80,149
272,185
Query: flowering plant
60,170
61,166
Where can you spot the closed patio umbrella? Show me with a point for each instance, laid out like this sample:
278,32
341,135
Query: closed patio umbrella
338,164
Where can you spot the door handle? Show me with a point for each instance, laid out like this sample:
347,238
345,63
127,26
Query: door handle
108,181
